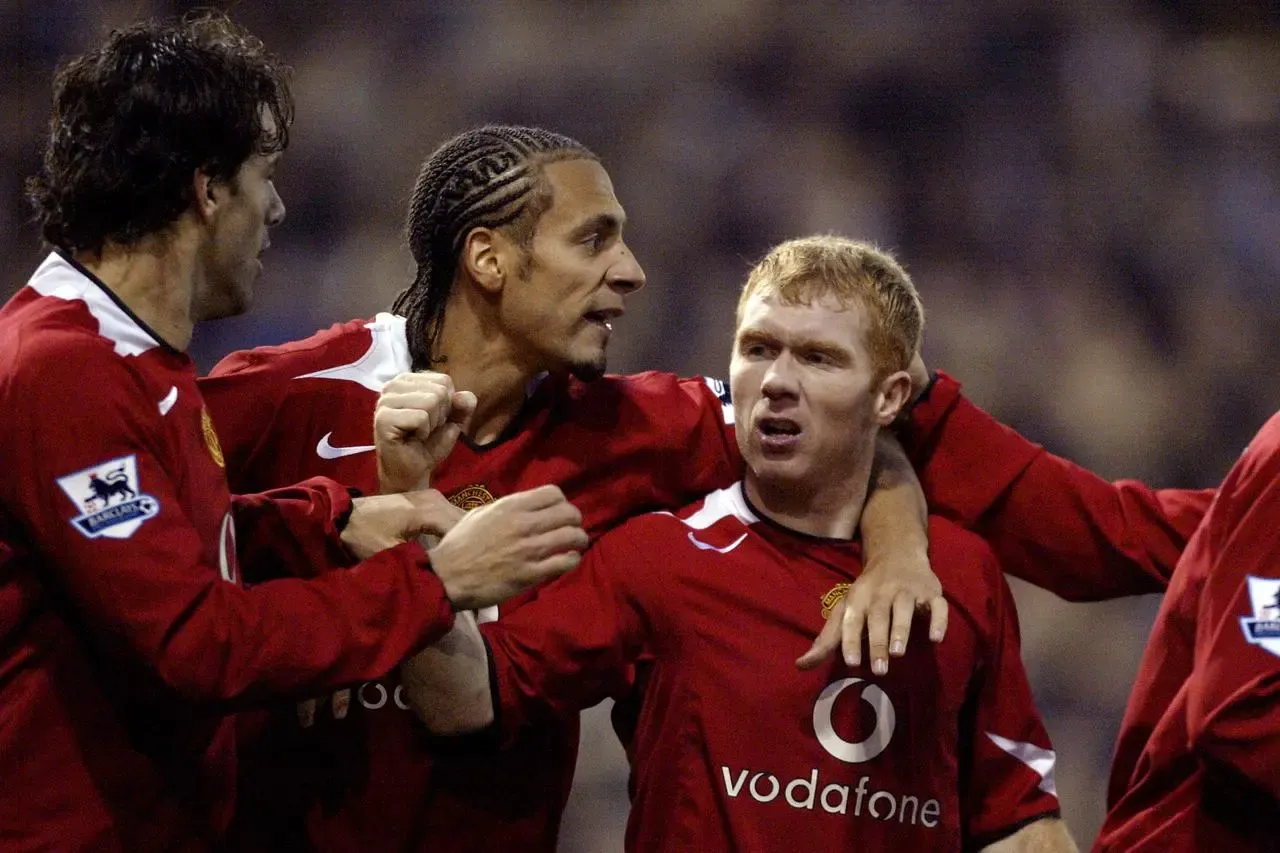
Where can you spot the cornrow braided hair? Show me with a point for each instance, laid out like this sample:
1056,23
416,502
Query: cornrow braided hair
488,177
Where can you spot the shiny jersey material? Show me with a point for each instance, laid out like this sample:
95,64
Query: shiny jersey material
375,780
125,634
737,749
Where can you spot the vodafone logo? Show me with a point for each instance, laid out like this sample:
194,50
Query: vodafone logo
866,749
816,790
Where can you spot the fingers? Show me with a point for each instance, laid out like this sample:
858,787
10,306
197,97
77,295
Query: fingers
558,541
535,499
388,423
938,613
826,643
552,567
904,611
851,631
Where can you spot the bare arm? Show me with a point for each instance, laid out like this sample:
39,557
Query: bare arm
897,579
1044,836
447,684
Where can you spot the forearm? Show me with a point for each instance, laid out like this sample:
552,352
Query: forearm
895,517
447,684
292,532
1048,835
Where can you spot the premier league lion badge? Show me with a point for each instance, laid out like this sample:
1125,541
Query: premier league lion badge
1263,629
109,498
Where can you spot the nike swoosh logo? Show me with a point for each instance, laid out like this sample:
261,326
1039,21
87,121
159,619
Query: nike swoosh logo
325,450
703,546
169,399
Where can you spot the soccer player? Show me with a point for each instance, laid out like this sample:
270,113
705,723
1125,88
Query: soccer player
522,268
125,635
735,748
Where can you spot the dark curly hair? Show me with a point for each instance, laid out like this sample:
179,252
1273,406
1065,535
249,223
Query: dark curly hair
136,117
488,177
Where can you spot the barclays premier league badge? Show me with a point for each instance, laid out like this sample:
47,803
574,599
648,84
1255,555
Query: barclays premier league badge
1264,628
109,498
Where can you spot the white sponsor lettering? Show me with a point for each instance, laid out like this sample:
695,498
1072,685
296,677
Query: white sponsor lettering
803,793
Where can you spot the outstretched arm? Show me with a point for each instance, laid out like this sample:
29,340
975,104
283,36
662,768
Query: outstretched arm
566,650
1050,522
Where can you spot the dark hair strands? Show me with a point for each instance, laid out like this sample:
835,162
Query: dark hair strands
136,117
487,177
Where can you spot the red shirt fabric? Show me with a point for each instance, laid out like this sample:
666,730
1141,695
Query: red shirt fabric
1196,763
1049,521
125,634
375,780
737,749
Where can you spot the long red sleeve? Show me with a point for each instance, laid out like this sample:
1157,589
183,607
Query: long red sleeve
1050,522
1234,691
162,593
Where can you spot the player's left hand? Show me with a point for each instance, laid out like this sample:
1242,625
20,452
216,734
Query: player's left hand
884,601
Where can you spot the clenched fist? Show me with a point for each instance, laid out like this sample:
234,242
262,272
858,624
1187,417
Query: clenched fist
503,548
415,425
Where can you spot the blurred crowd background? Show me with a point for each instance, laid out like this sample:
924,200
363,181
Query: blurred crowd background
1086,193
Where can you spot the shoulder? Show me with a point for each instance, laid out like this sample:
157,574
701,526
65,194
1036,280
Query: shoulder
60,361
719,518
652,395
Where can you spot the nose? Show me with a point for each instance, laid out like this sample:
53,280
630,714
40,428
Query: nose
275,208
779,381
626,275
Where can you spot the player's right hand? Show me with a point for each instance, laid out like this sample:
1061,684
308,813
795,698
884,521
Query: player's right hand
514,543
417,421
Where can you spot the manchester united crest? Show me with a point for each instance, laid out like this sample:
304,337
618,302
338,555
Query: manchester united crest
832,598
211,438
471,497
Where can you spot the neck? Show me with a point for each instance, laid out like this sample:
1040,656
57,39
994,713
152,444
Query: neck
831,509
154,278
480,357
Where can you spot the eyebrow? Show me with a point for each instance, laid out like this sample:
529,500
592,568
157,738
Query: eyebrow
606,222
756,335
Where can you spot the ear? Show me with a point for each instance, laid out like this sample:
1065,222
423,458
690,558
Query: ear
482,259
204,191
892,393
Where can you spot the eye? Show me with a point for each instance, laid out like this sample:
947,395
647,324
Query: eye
595,241
756,350
819,358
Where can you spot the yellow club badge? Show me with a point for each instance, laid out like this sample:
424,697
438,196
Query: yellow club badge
211,438
832,598
471,497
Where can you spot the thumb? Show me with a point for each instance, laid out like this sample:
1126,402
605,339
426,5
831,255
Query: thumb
462,408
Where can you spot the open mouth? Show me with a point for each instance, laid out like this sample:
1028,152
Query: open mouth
602,318
778,427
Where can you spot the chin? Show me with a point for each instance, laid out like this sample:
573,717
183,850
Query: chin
589,371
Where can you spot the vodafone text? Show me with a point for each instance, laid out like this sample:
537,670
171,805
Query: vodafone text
805,793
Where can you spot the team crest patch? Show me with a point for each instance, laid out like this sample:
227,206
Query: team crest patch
1263,629
110,499
471,497
832,598
211,438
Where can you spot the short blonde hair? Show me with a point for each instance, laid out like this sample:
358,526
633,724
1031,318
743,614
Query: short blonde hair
800,271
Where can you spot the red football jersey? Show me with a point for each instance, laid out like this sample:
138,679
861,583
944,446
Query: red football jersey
124,633
1048,520
1196,763
617,446
737,749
